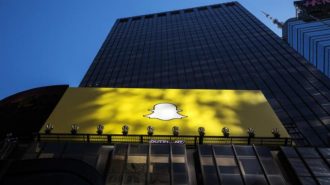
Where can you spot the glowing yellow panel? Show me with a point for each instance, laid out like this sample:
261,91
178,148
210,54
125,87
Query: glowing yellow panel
164,108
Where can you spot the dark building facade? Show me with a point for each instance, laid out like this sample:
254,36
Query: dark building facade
221,46
24,113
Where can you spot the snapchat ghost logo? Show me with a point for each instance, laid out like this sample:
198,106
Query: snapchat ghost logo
165,111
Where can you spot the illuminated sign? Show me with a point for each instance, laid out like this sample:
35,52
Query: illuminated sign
165,111
166,141
309,3
162,109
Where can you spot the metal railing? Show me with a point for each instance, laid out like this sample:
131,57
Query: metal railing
191,141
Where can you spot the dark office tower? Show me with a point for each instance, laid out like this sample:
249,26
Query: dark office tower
216,47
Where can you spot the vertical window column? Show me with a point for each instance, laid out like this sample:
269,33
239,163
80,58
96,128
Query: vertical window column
159,165
227,165
179,167
119,157
251,169
208,167
270,168
136,166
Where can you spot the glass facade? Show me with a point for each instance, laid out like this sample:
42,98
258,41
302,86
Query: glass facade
312,40
149,164
216,47
230,164
309,165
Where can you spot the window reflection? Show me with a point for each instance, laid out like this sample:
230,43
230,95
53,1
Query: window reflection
148,163
207,161
318,167
231,179
232,168
178,159
227,165
135,179
223,150
309,166
270,167
250,166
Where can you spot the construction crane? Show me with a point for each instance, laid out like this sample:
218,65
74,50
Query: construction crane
278,23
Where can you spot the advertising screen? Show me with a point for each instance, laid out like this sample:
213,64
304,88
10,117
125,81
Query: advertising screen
163,109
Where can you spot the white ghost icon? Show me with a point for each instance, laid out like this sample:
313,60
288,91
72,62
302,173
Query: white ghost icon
165,111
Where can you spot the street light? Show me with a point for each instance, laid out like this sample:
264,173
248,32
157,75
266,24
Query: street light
276,132
175,130
201,131
150,130
49,128
225,131
74,128
99,129
125,130
251,132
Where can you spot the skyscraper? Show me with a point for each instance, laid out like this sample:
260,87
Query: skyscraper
309,33
311,40
216,47
184,127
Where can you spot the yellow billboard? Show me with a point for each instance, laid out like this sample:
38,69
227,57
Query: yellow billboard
163,109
